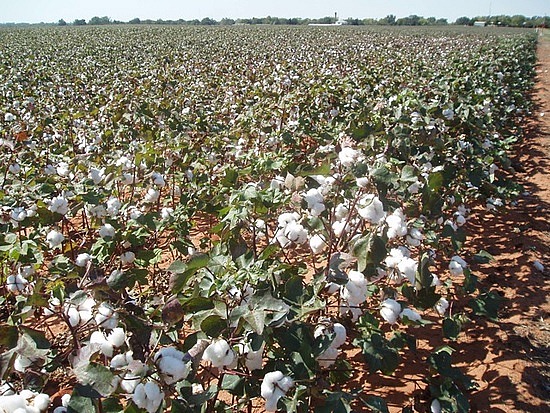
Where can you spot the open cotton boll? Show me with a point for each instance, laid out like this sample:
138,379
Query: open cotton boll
59,205
274,386
328,357
538,266
11,403
148,396
390,310
349,156
286,218
397,225
151,196
441,306
407,267
340,227
219,353
107,231
106,316
355,290
16,283
435,406
253,359
113,206
295,233
41,401
158,179
99,340
457,265
317,244
54,239
83,259
371,208
117,337
414,237
128,257
172,367
411,315
97,175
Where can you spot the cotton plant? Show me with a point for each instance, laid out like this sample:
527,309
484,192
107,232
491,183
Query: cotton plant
108,342
290,230
353,294
128,371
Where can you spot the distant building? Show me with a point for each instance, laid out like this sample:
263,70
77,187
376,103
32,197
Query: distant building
480,23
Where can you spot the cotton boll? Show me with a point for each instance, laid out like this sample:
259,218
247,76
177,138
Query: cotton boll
349,156
274,386
414,237
362,182
41,401
151,196
441,306
83,259
341,212
339,227
107,231
407,268
317,244
327,357
390,310
538,266
340,335
295,233
98,338
59,205
113,206
117,337
97,175
355,290
54,239
254,359
12,403
106,316
148,396
457,266
171,364
411,315
16,283
158,179
219,353
371,208
435,406
166,213
128,257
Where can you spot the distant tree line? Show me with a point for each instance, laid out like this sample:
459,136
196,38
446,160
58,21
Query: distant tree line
389,20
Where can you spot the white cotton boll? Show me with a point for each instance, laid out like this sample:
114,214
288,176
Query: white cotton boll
96,175
12,403
148,396
397,226
74,316
274,386
62,169
341,212
340,335
117,337
441,306
60,409
59,205
435,406
128,257
99,339
407,267
355,290
41,401
460,220
362,182
332,288
54,239
277,183
16,283
166,213
286,218
459,260
106,316
21,363
313,197
295,233
254,359
158,179
9,117
134,212
151,196
219,353
127,179
14,168
327,357
371,208
317,244
455,268
113,206
49,170
411,315
538,266
349,156
121,360
18,214
415,237
171,365
107,231
414,187
339,227
83,259
390,310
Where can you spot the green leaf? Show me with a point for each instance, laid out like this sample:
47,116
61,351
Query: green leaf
97,376
213,325
112,405
196,304
369,250
487,304
233,383
376,404
8,336
451,328
483,257
379,354
435,181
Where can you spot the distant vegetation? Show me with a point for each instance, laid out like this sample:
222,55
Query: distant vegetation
389,20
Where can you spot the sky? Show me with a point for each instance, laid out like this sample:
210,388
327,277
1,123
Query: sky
35,11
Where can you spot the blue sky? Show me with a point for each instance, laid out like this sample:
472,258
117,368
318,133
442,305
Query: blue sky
34,11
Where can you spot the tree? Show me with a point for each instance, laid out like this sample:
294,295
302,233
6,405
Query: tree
98,21
207,21
464,21
227,22
61,22
79,22
135,21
